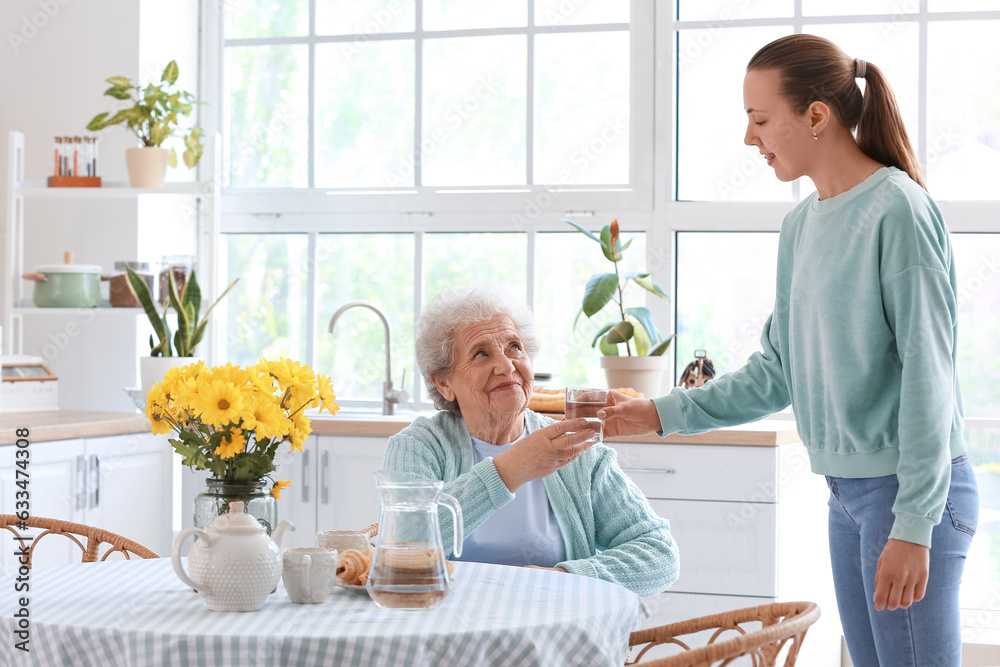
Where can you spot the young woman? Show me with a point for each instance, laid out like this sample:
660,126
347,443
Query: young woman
862,344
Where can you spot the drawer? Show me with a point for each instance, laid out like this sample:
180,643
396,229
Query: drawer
701,472
725,548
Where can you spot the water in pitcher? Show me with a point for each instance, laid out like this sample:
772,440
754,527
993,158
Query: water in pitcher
408,575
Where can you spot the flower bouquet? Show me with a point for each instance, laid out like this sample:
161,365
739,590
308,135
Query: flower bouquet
231,420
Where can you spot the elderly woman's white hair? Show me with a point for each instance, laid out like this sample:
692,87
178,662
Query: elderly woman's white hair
454,308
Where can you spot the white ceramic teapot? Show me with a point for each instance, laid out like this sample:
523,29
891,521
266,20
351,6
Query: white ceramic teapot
235,565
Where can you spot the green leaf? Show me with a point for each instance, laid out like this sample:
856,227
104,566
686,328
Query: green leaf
600,289
142,293
172,160
661,348
190,159
118,93
613,256
604,330
120,81
584,230
608,349
98,123
170,73
645,280
620,332
641,340
645,319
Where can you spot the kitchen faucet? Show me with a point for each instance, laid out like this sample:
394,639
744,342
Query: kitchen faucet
390,396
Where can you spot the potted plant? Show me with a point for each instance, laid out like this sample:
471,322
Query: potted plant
165,352
632,330
153,118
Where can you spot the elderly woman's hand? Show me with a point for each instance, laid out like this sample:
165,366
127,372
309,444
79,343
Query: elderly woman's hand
543,452
625,415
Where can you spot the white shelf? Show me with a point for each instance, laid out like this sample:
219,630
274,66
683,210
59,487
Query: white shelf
100,311
109,190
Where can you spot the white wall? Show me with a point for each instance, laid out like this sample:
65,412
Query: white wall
54,57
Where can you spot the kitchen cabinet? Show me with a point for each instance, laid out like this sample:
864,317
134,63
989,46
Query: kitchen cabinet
101,226
120,483
751,526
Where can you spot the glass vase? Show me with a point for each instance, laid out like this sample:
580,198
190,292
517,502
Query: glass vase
257,501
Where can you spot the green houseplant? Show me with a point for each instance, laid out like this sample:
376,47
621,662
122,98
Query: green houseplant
153,117
186,303
632,329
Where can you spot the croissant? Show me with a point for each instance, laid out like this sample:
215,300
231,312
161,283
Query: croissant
352,565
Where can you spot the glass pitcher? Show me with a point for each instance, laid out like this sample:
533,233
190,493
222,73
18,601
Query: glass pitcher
408,569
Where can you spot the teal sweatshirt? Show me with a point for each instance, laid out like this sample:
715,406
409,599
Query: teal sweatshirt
608,527
861,343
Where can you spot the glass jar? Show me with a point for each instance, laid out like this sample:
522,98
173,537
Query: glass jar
179,265
120,294
257,501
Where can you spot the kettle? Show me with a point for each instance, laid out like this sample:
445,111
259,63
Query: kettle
234,565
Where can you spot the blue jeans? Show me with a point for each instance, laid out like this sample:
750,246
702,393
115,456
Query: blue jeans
928,634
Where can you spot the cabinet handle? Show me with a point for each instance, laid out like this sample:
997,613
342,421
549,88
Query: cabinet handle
305,476
95,481
662,471
81,482
324,467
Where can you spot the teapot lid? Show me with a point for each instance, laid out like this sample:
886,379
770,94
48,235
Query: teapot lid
236,519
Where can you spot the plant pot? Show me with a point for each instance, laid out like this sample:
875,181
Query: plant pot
152,369
147,166
644,374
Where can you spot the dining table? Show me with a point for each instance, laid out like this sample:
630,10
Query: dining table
138,612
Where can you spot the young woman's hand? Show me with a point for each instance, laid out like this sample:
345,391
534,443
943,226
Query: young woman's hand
624,415
901,575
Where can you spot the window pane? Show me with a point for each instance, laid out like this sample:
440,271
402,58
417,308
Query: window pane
474,258
963,122
264,314
713,164
977,263
364,115
725,10
354,354
844,7
723,310
961,5
582,108
564,263
264,18
474,111
267,111
580,12
466,14
363,17
894,48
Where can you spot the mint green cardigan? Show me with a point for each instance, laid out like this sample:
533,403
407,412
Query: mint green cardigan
608,527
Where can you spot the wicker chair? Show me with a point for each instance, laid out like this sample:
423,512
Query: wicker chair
91,549
781,623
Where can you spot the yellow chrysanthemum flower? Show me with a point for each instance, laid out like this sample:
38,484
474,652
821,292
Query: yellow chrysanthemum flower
278,486
268,419
326,395
233,443
298,433
157,408
230,373
219,403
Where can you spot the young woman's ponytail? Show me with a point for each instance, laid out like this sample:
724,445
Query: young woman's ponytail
881,134
815,69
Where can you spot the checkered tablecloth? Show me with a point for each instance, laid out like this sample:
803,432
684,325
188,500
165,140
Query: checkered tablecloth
139,613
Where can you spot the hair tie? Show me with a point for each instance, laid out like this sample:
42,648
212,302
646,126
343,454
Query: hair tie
859,68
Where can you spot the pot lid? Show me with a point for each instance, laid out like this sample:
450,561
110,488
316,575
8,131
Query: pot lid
236,519
67,268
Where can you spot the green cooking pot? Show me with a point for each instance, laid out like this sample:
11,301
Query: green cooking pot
66,285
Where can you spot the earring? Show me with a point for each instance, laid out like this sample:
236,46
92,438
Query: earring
815,137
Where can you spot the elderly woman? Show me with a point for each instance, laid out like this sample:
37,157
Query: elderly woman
533,491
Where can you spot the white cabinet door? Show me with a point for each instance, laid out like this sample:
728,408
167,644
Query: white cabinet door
348,499
298,501
130,488
56,491
725,548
